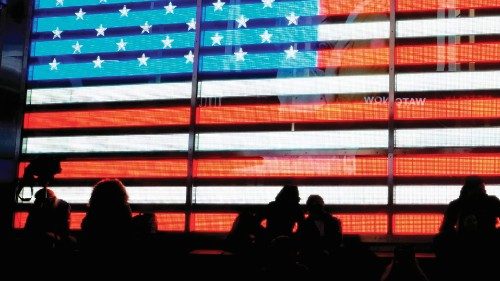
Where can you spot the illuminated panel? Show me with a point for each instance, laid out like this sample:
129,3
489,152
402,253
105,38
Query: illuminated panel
212,222
448,27
431,5
448,137
20,219
354,7
363,223
353,57
118,143
353,31
461,53
354,111
449,81
293,140
112,118
452,109
138,92
416,224
434,165
170,222
91,169
76,219
332,195
296,86
321,166
432,194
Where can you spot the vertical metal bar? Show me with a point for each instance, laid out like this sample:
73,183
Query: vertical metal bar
192,118
392,90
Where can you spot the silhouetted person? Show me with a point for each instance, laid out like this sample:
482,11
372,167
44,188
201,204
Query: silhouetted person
107,227
47,225
282,261
320,234
404,266
468,242
245,235
283,213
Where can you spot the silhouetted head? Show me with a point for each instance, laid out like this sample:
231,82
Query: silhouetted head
42,170
315,204
288,194
108,193
473,186
44,196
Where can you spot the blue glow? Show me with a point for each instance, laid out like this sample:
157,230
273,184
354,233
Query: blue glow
108,44
112,20
110,69
43,4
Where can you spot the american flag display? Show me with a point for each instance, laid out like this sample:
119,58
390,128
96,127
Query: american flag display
308,92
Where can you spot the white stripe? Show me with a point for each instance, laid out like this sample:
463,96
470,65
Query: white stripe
448,81
120,143
353,31
137,194
332,195
449,137
448,27
293,140
138,92
356,84
432,194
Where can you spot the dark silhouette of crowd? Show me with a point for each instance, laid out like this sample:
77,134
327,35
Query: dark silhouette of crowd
282,240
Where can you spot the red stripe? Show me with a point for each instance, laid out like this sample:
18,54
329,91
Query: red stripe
164,168
212,222
363,223
450,109
20,219
112,118
432,5
416,224
353,57
76,220
346,7
442,165
325,112
460,53
284,167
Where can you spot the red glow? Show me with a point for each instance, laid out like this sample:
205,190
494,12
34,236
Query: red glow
431,5
163,168
20,219
434,165
112,118
346,7
416,224
293,113
76,220
460,53
212,222
450,109
308,166
353,57
363,223
171,222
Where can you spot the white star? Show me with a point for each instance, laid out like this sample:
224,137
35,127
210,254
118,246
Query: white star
291,53
124,11
266,36
143,60
167,42
79,14
98,62
100,30
191,24
218,5
189,57
240,55
103,1
77,48
146,27
59,3
169,9
242,21
292,19
216,39
54,64
57,33
121,45
267,3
